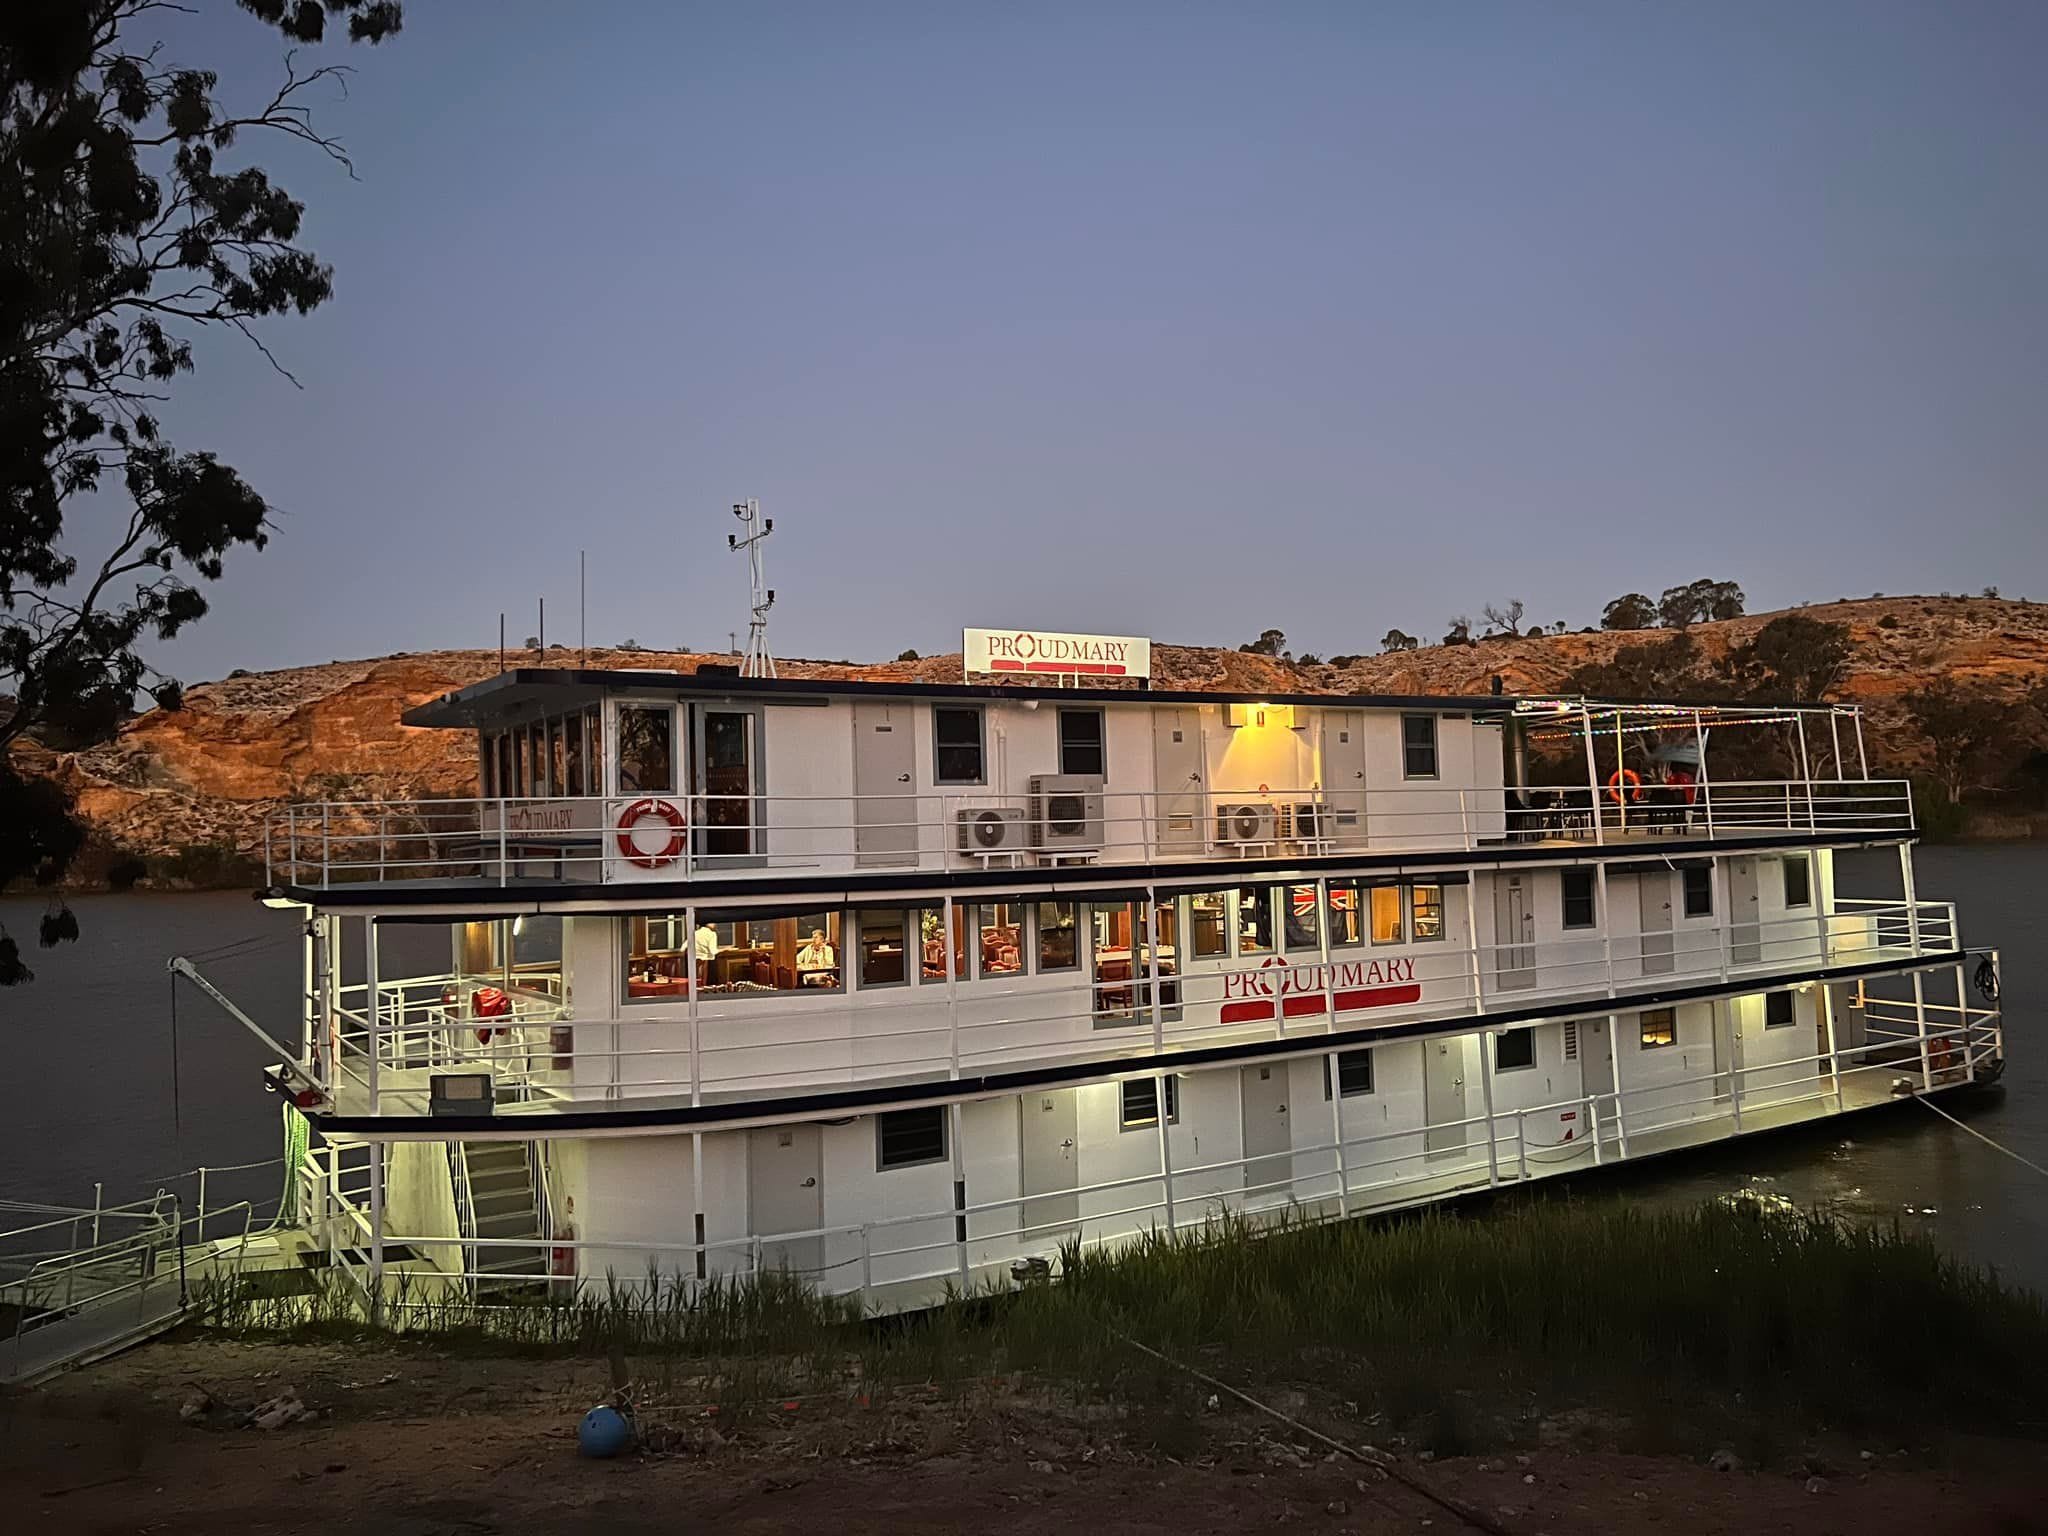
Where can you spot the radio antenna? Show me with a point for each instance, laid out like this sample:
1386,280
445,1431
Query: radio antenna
758,662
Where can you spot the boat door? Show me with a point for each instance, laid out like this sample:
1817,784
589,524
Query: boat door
1745,925
1268,1138
1178,780
1514,933
784,1167
1443,1096
884,807
1051,1166
1343,775
1653,896
727,750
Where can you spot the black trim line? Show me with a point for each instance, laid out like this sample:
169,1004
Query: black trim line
946,1090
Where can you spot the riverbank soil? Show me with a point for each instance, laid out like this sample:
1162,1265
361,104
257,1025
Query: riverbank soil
401,1442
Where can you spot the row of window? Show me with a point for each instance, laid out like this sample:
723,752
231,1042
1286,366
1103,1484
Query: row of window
560,756
1578,889
1514,1049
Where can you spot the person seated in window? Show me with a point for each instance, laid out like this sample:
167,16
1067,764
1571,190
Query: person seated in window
817,955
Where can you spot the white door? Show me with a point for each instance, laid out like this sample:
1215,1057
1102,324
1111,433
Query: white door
1178,785
1514,933
1653,894
784,1167
1051,1168
1443,1096
1343,776
1268,1138
1745,928
885,808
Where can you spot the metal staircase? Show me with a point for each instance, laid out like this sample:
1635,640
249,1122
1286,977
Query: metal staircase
502,1202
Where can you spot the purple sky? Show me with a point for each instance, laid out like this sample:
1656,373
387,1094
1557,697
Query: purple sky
1180,320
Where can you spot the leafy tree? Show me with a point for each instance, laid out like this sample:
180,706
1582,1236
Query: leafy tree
1310,659
1398,640
1792,658
1506,618
1657,669
1698,602
1968,727
129,224
909,655
1271,642
1631,610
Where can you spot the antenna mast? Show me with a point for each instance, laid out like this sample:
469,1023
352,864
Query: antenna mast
758,662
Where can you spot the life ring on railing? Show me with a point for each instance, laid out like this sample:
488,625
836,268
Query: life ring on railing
650,809
1627,776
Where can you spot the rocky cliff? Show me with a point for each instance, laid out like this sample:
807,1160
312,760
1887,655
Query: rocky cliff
206,774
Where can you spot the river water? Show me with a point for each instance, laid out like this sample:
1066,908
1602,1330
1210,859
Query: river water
87,1090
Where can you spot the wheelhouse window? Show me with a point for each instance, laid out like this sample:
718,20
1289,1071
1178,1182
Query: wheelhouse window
733,954
1779,1011
1140,1102
910,1138
1418,746
1798,868
1255,920
881,946
1386,913
538,781
1345,929
1699,890
1514,1049
572,756
1657,1028
1058,949
646,751
1081,747
1579,899
1209,923
1426,911
957,744
1354,1074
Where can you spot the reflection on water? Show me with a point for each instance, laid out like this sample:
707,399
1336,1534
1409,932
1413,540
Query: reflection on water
88,1090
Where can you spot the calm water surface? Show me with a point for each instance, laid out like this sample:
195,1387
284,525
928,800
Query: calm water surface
86,1094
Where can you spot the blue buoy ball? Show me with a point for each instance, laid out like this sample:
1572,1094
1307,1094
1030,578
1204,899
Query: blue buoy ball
603,1432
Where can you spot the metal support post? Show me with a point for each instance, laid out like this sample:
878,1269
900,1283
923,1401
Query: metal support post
370,1011
1594,813
1165,1149
1614,1072
690,996
1919,984
376,1149
1486,1092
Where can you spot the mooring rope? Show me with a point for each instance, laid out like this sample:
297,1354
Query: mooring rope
1972,1130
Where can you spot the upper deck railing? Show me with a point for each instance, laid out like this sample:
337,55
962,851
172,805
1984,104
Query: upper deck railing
657,838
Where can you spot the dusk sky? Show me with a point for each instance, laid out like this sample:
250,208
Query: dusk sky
1180,320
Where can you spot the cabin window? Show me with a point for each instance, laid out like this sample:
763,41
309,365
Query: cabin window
734,954
1345,928
1255,920
1209,923
910,1138
1657,1028
1140,1106
1426,908
931,943
956,744
1798,868
1081,741
1057,949
646,751
1418,746
998,930
1124,960
1778,1010
881,946
1354,1074
1386,913
1298,919
1514,1049
1578,899
1699,890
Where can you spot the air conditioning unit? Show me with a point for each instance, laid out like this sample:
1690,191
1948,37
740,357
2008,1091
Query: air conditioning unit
1248,823
990,829
1066,812
1302,822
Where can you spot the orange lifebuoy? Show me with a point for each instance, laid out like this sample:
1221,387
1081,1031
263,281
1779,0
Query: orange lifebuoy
1620,776
656,810
1941,1053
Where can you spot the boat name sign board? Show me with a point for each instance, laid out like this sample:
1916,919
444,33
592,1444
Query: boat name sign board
1045,651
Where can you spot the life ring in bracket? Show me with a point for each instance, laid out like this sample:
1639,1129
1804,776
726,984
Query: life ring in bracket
1618,778
651,809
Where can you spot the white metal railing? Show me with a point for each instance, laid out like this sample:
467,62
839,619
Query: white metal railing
1336,1175
783,1041
666,837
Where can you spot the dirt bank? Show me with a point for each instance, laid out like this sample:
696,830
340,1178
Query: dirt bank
407,1442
